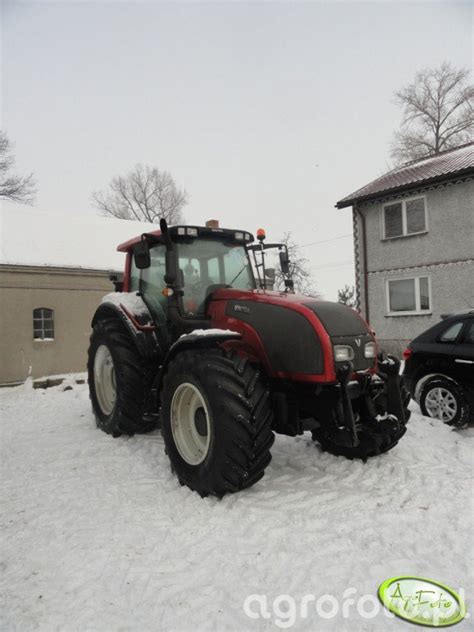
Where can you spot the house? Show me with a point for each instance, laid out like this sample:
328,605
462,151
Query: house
414,245
54,270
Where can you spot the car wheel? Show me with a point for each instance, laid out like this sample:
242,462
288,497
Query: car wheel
444,399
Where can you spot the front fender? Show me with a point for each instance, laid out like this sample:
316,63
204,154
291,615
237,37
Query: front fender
198,339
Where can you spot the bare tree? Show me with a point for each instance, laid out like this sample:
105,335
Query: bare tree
13,187
437,113
346,296
145,194
299,269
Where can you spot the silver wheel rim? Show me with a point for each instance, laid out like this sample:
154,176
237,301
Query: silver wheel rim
104,380
441,404
190,423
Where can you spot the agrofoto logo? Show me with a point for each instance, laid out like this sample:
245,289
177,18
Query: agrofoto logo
422,601
414,599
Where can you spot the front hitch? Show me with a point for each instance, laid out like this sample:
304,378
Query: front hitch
343,375
389,370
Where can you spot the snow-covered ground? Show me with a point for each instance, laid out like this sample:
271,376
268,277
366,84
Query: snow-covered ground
99,536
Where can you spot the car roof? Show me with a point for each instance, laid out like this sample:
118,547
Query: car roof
463,312
440,326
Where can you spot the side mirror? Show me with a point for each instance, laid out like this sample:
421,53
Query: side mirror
141,255
284,262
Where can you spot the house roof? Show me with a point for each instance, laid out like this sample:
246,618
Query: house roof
30,237
446,165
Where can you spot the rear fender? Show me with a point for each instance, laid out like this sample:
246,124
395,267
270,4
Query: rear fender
138,326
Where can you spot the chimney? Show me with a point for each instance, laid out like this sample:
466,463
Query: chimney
212,223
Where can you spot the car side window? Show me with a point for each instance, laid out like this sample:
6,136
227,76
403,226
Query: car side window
451,333
469,335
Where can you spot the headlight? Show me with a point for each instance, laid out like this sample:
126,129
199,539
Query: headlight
192,232
369,350
343,352
239,236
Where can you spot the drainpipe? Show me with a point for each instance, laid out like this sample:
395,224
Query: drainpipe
365,265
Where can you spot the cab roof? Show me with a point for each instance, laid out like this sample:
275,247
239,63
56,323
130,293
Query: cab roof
127,246
192,232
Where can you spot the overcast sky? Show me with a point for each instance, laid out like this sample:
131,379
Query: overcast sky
267,113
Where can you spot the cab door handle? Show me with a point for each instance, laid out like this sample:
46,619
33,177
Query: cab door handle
459,361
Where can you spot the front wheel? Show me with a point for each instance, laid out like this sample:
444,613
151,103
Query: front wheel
443,399
216,421
374,438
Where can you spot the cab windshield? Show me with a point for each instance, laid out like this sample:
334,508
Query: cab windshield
204,263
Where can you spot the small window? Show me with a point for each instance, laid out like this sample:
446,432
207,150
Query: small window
393,220
43,324
451,333
407,217
410,296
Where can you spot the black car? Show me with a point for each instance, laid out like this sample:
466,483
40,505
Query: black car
439,369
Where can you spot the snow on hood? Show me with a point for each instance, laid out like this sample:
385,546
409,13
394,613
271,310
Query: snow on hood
211,332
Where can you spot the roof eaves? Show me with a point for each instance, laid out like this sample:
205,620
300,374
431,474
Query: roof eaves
447,177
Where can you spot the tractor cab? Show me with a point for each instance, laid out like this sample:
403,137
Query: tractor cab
177,269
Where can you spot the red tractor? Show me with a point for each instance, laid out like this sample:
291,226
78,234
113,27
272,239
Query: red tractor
193,341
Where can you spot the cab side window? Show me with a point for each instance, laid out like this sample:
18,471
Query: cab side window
451,333
153,278
134,277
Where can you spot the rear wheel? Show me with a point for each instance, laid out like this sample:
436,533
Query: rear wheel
216,421
118,380
444,399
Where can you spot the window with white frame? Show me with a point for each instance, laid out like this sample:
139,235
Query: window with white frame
409,295
43,324
403,218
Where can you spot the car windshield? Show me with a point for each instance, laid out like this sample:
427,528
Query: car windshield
204,263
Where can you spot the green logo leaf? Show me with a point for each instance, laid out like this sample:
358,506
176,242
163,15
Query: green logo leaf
422,601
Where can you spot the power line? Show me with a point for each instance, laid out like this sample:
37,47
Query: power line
325,241
336,264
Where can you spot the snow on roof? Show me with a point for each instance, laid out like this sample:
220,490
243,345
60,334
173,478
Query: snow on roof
32,237
451,162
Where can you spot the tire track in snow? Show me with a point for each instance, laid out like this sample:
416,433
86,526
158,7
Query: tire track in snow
100,536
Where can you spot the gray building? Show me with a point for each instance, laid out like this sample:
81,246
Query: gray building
414,245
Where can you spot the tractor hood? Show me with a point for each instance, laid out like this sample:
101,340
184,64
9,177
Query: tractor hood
296,333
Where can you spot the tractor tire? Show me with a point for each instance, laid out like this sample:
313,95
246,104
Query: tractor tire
444,399
373,440
118,380
216,421
381,401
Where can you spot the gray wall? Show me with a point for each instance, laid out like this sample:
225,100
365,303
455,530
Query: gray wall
452,289
72,294
449,238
